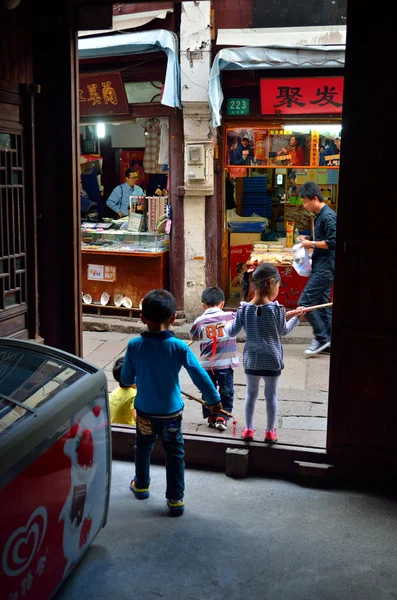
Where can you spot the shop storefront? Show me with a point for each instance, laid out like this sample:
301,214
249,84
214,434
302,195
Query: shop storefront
266,160
128,173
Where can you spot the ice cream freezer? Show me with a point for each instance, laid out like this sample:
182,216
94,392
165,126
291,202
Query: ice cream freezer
55,465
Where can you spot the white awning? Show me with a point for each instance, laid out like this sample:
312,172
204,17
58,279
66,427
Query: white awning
279,57
139,42
327,35
131,21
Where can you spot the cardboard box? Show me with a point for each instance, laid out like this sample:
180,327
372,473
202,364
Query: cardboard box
242,239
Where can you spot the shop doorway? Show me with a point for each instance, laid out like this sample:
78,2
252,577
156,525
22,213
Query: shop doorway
265,165
125,217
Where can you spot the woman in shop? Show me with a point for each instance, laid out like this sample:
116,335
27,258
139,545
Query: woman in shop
119,199
295,151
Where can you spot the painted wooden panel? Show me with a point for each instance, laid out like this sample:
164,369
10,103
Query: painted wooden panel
298,13
16,44
239,17
135,276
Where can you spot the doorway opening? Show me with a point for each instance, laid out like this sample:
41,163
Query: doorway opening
125,213
265,165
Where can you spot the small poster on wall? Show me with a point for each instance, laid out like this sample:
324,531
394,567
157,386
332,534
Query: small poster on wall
258,147
288,148
101,272
246,147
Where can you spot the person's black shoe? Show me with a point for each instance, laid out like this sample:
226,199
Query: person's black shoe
326,350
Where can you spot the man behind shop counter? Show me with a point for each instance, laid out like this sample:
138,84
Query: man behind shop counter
119,199
318,288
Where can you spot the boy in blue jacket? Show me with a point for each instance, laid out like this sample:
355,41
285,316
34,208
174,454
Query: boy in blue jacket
153,362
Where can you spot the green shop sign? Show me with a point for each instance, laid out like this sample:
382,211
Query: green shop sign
238,106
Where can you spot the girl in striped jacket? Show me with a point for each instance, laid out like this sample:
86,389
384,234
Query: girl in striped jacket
264,322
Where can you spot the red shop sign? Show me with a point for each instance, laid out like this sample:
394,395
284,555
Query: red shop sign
102,94
304,95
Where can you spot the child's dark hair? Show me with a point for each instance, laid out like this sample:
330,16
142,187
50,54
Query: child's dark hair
118,365
158,306
263,278
212,296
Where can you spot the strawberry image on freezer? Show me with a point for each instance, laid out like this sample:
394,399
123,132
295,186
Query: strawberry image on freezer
82,513
85,531
85,449
97,410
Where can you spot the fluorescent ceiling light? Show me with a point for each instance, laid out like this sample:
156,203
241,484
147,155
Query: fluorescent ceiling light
334,130
100,130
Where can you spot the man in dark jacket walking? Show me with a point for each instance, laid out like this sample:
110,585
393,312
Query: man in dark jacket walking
318,288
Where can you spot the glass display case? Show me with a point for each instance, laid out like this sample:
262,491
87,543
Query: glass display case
124,241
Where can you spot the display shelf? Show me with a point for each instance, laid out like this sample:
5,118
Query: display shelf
122,253
97,309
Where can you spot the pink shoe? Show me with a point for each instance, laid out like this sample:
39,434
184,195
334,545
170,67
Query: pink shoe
271,437
247,434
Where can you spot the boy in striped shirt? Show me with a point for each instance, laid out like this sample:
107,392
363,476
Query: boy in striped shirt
218,351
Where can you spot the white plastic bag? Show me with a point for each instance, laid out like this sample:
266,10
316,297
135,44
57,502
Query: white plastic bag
302,262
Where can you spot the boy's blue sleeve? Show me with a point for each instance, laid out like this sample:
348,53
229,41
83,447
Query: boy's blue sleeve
199,377
128,371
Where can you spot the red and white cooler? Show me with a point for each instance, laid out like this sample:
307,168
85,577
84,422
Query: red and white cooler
55,465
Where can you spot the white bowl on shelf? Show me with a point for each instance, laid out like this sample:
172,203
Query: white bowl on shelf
105,298
118,300
127,302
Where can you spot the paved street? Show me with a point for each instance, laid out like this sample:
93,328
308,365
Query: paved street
303,392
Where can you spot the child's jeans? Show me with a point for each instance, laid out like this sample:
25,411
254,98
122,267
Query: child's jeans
148,429
223,381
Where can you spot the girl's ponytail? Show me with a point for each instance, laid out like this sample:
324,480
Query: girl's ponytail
245,285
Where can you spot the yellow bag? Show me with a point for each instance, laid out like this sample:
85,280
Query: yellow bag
121,402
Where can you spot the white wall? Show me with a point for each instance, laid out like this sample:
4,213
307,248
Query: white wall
126,135
195,65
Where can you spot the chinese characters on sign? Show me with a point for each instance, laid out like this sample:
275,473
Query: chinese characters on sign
102,94
314,159
259,144
309,95
101,273
110,273
288,96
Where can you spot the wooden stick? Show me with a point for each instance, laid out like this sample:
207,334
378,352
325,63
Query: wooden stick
291,313
201,401
190,343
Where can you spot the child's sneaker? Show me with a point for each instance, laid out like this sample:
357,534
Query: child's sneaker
211,422
176,507
247,434
141,494
221,424
271,437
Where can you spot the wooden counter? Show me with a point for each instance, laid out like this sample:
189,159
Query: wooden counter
136,273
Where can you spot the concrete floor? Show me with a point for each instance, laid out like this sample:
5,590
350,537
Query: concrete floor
253,538
303,390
